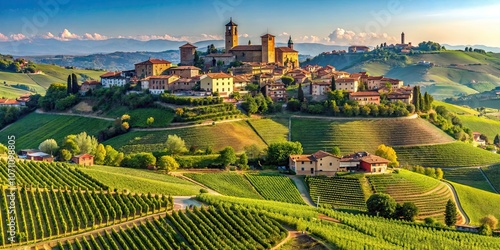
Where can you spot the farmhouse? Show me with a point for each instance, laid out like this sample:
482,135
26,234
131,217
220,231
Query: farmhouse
88,85
221,83
374,164
83,159
35,155
151,67
365,97
9,103
159,84
478,141
319,163
113,79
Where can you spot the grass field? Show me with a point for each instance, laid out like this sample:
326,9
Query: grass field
141,181
343,193
477,203
364,135
231,184
271,130
276,188
428,194
493,174
483,125
34,128
468,176
457,154
138,117
236,134
460,110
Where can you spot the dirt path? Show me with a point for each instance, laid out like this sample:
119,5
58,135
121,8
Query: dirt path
39,111
459,205
303,190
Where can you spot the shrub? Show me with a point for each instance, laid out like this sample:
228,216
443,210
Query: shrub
198,161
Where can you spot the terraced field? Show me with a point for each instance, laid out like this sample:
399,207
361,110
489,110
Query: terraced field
34,128
271,130
276,188
455,154
236,134
141,180
364,135
227,183
343,193
468,176
427,193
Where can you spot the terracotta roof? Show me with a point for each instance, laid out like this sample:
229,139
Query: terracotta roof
185,68
299,158
286,49
219,55
322,154
9,102
248,47
162,76
375,77
188,45
110,74
219,75
84,156
240,78
266,35
186,80
365,93
154,61
91,82
374,159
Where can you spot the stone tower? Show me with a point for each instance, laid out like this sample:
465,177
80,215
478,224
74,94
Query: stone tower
231,35
268,48
290,43
403,38
187,54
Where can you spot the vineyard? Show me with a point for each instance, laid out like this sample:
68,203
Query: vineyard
162,116
236,134
320,134
227,183
361,231
43,215
493,174
141,180
468,176
34,128
212,228
46,175
276,188
455,154
270,130
344,193
215,112
428,194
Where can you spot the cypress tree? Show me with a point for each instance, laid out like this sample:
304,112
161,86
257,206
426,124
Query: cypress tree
450,216
74,84
427,100
496,140
300,95
333,84
421,100
68,85
416,98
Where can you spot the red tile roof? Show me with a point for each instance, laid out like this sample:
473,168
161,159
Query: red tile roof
365,93
9,102
346,79
371,159
247,48
162,76
185,68
300,158
240,78
219,75
110,74
91,82
322,154
154,61
188,45
286,49
84,156
266,36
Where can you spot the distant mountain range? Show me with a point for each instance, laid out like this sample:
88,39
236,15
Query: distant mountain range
461,47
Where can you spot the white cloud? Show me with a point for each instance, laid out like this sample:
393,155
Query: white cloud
3,38
348,37
94,36
17,37
284,34
310,39
244,35
48,36
66,35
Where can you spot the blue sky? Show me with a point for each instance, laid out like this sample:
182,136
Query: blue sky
326,21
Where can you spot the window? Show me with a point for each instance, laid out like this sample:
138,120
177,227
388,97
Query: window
310,162
302,163
302,168
321,164
331,164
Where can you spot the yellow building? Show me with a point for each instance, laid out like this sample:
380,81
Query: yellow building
151,67
319,163
221,83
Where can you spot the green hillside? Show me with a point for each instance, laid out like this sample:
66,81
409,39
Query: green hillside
468,176
350,136
483,125
477,203
457,154
231,184
460,110
34,128
235,134
271,130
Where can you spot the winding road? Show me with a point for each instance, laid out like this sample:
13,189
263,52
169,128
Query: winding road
457,202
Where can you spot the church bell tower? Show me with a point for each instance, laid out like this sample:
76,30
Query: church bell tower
231,35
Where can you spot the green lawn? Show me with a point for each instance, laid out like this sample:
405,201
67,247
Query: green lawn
493,174
468,176
428,194
141,181
477,203
364,135
457,154
236,134
34,128
483,125
271,130
231,184
138,117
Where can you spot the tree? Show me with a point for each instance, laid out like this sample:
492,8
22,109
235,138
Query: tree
416,98
139,160
450,215
381,205
243,164
227,156
279,152
3,149
64,154
253,151
388,153
150,121
86,143
300,94
74,84
68,85
496,141
113,157
336,151
69,144
175,145
439,173
100,154
409,211
250,105
48,146
167,163
125,117
333,87
490,220
287,80
485,229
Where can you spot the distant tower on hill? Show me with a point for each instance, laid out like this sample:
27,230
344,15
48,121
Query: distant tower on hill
290,43
403,38
187,54
231,35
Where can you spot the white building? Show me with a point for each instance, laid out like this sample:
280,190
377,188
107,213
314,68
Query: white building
113,79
